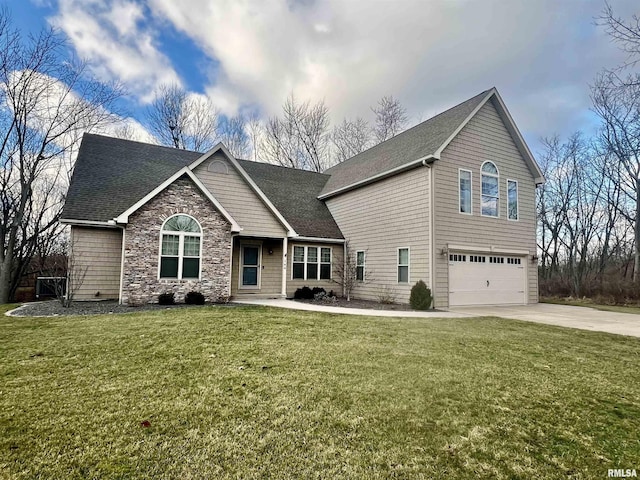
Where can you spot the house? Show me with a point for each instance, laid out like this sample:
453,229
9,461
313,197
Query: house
450,201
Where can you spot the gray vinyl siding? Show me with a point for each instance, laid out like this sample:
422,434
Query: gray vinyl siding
484,138
380,218
337,258
237,197
270,273
99,250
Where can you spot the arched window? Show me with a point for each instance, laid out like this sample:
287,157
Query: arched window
490,195
218,166
180,241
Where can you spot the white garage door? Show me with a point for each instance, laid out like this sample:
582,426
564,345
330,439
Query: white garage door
486,279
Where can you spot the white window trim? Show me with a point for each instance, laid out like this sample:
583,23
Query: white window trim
470,212
258,245
497,177
181,236
408,265
517,219
319,262
364,265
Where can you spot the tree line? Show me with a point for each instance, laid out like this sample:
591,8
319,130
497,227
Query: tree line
300,137
589,208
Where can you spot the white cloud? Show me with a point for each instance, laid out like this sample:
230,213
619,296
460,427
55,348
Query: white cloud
110,36
541,55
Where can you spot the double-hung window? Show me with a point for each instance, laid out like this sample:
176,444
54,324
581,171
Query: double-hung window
311,263
180,241
490,196
512,199
403,265
464,181
360,265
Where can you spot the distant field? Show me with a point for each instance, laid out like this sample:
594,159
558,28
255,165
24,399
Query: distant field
267,393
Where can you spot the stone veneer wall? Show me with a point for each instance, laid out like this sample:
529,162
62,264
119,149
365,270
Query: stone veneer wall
142,243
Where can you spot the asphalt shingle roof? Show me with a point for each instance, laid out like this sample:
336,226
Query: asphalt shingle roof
294,193
112,174
417,142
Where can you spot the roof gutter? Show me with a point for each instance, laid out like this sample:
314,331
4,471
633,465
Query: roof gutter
88,223
407,166
317,239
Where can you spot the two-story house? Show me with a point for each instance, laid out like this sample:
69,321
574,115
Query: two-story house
450,201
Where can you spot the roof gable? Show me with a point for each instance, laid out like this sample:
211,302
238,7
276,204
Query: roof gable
185,171
423,142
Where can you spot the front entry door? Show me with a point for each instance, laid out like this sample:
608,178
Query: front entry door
250,267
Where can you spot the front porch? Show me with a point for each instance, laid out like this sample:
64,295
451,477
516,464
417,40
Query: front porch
258,267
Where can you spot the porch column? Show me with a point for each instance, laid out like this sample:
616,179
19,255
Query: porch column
285,248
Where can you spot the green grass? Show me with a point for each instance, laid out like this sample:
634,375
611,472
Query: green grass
267,393
587,302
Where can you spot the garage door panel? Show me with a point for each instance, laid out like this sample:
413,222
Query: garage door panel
486,280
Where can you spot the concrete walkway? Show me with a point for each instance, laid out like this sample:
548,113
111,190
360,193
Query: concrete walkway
292,305
582,318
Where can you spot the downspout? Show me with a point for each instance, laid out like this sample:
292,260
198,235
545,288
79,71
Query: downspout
122,266
431,227
285,251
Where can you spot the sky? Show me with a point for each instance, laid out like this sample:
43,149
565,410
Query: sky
249,55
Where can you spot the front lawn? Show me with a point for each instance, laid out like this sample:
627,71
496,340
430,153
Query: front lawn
267,393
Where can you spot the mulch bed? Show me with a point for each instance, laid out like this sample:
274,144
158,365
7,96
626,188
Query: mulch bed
53,308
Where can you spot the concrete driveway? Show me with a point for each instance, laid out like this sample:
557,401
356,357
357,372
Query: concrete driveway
561,315
564,316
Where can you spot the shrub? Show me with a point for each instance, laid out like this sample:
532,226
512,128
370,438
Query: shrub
304,293
332,294
167,298
386,295
317,290
420,298
194,298
318,297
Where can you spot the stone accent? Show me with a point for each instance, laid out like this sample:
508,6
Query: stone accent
142,246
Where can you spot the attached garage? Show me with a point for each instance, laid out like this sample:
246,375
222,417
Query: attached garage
486,279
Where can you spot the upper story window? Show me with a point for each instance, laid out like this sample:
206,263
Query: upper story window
311,263
490,196
180,241
512,200
464,182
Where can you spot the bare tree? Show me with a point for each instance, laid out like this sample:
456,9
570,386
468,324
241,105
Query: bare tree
347,272
46,104
232,133
618,106
625,33
391,118
350,138
181,120
255,133
300,138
